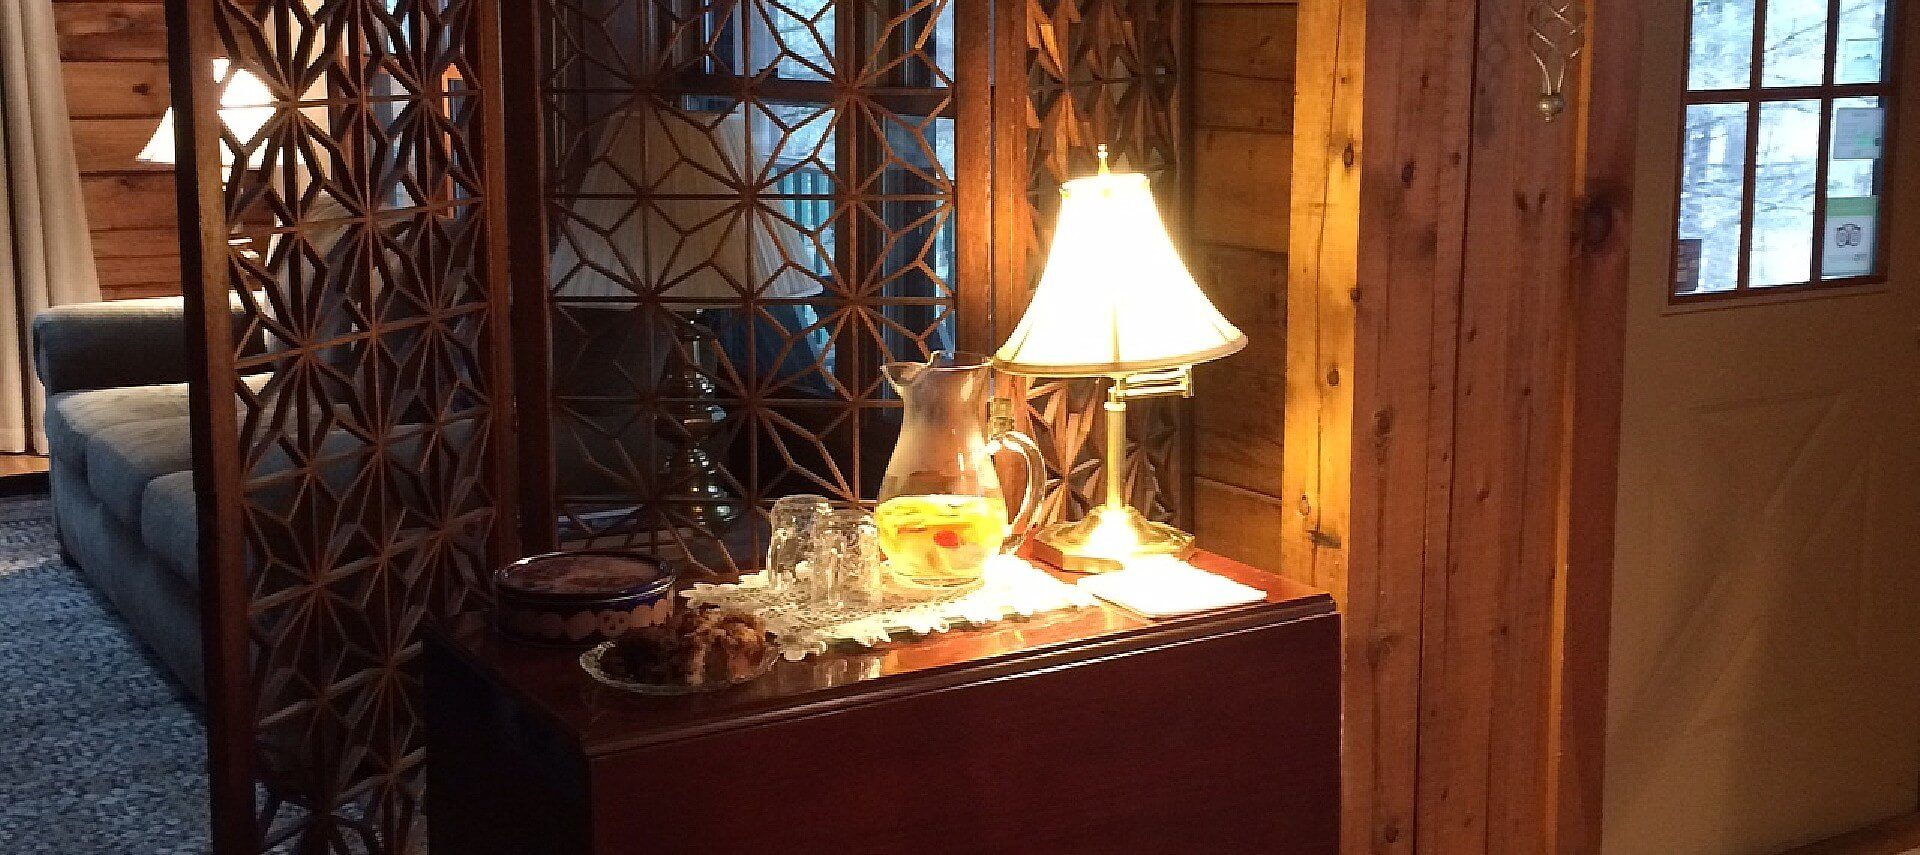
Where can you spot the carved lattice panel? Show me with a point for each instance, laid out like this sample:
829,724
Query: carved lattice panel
1097,72
364,379
750,207
752,204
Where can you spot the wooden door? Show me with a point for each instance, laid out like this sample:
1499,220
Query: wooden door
1764,675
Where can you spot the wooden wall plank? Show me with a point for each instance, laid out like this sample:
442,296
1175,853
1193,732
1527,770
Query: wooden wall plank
1368,370
114,62
116,89
1485,672
1237,429
1241,184
1248,61
1241,520
109,145
1243,164
1609,122
136,242
129,201
105,29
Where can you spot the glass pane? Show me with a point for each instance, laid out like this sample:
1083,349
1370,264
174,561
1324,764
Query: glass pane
1858,134
1796,44
794,38
1712,175
1863,27
911,44
1853,188
1785,160
1721,53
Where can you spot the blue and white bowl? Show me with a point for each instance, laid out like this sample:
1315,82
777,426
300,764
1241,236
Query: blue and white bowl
576,599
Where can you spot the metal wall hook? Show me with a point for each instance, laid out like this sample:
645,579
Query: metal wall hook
1556,35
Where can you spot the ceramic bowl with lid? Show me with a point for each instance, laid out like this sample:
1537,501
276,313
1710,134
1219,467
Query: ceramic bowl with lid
582,598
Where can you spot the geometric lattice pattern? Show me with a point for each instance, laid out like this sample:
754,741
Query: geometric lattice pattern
750,209
1097,72
751,206
365,397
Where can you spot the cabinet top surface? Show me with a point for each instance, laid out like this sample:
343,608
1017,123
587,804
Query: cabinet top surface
605,720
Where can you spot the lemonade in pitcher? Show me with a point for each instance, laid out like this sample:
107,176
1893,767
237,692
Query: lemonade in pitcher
942,513
940,541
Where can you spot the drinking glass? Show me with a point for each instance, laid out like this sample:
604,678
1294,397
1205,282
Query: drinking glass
844,563
794,518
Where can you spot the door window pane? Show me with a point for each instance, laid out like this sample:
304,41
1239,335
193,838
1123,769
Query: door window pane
1712,187
1862,43
1786,158
1851,231
1859,127
1796,43
1720,55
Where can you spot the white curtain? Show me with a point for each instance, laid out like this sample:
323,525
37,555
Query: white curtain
46,255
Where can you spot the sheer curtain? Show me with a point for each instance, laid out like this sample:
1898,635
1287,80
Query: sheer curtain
46,256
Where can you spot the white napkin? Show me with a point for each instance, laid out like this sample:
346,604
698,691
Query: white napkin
1162,586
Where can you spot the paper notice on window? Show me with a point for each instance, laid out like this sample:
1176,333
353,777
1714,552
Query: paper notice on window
1860,60
1849,240
1686,266
1857,132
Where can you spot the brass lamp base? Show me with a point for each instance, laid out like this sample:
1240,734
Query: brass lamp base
1106,538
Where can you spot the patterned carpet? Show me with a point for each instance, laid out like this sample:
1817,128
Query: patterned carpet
101,753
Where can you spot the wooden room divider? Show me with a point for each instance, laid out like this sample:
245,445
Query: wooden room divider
718,218
353,478
750,206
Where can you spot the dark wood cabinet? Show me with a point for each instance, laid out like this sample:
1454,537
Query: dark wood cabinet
1091,730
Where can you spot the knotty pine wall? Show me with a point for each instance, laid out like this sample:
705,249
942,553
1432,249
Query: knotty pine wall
1243,90
114,53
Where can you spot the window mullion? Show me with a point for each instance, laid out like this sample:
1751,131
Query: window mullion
1748,190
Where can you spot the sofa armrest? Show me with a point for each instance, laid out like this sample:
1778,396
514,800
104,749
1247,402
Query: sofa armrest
112,344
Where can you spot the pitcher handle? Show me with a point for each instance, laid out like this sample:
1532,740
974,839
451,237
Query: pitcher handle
1005,437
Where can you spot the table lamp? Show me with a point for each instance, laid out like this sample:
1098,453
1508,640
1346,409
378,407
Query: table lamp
1116,301
246,106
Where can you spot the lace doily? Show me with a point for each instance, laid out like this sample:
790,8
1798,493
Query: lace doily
1011,586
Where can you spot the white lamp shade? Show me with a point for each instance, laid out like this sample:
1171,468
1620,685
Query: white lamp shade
1115,297
246,106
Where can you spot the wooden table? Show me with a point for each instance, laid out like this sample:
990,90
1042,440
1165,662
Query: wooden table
1089,730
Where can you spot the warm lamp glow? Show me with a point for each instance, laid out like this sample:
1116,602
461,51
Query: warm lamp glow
246,106
1116,301
1113,537
1115,297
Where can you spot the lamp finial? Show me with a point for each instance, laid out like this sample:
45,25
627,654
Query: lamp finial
1101,151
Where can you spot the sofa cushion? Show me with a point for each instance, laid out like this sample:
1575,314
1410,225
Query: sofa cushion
166,515
124,458
169,524
72,417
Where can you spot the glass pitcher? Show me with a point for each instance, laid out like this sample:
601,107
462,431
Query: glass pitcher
941,512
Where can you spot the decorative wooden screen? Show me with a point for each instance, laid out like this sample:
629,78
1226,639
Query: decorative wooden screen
752,204
349,471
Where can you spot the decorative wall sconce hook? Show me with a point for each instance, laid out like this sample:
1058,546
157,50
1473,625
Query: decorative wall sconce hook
1556,35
